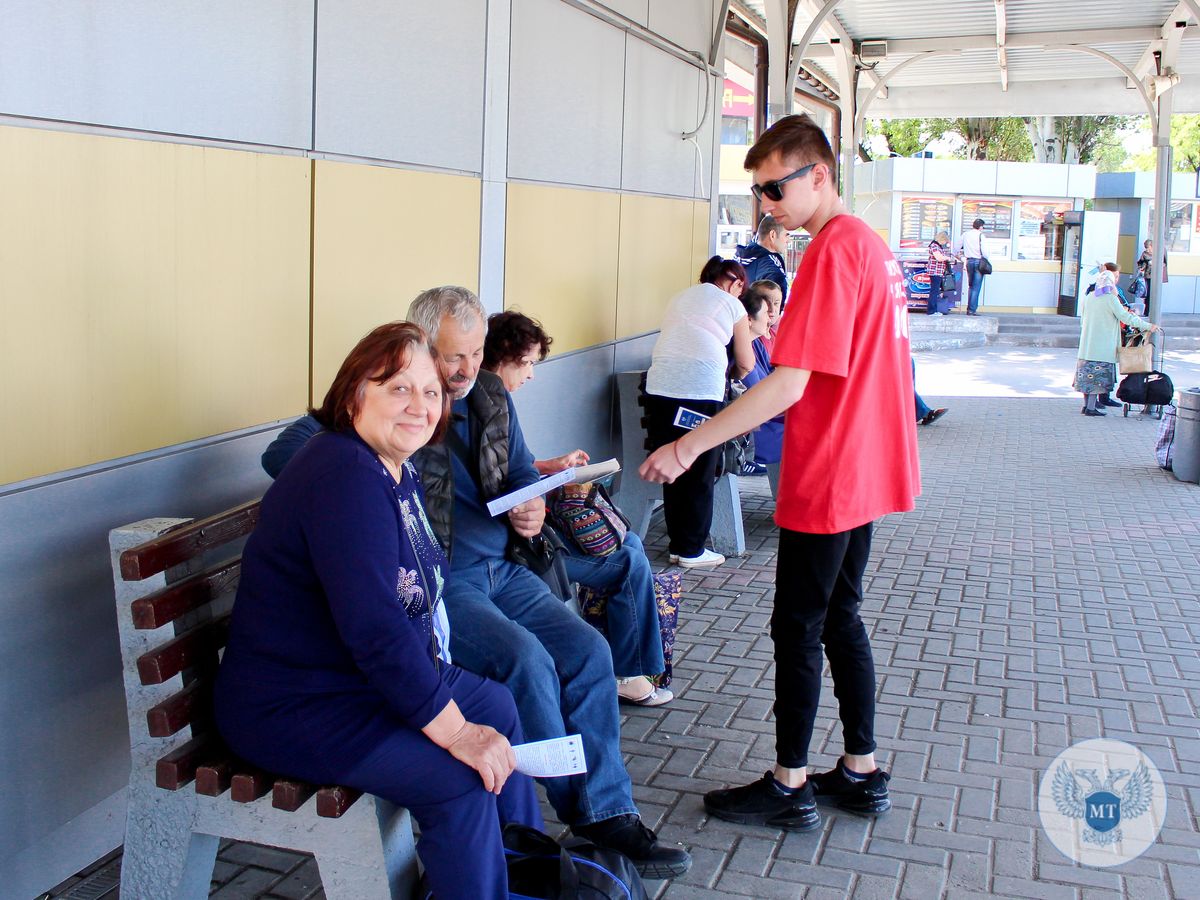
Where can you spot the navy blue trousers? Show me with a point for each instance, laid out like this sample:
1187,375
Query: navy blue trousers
353,739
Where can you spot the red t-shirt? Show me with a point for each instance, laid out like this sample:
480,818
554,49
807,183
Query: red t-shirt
850,443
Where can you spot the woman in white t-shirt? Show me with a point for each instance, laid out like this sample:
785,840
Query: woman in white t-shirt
689,371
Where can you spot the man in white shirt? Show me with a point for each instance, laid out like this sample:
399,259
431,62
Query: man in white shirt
972,248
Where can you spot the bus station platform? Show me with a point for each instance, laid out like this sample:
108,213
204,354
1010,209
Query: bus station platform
1043,592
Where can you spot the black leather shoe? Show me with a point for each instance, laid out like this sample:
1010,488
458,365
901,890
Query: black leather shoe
1109,401
1094,412
763,803
628,836
867,798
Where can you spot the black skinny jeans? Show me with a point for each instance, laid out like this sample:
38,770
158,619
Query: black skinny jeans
687,501
818,591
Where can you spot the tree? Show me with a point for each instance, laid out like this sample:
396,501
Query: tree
1185,141
1078,139
991,138
902,137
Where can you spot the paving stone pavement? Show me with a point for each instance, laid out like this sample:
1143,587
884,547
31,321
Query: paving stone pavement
1043,592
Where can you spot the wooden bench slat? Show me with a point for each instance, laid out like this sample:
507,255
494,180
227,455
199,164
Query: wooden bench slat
248,784
191,706
178,767
290,795
167,605
199,645
214,776
189,541
333,801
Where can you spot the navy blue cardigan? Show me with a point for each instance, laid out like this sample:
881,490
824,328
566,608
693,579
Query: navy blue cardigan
337,584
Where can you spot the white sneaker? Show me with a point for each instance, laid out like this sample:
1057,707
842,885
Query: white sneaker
706,558
934,315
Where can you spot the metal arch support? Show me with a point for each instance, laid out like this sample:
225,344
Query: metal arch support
1079,48
1129,73
800,49
860,116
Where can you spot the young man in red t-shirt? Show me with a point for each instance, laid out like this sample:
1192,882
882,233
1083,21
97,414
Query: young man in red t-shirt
842,377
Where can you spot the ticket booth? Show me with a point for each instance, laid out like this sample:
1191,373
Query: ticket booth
1089,239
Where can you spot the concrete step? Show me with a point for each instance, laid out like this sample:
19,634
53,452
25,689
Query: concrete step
1068,327
1043,339
940,340
1035,340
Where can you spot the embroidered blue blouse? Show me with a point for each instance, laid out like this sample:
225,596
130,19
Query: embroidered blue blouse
341,585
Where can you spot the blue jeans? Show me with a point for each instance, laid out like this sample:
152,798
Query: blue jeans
922,407
934,303
506,625
975,280
633,633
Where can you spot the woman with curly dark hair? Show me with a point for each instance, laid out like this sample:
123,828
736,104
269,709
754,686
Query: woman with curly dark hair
514,343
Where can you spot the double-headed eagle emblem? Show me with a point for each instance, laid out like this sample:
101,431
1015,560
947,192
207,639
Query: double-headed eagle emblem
1100,804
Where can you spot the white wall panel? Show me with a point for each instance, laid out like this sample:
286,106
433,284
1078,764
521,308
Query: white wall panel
1031,179
959,176
565,96
401,81
637,10
1081,181
223,69
663,106
688,23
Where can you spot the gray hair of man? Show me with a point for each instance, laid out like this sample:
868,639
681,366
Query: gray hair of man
431,306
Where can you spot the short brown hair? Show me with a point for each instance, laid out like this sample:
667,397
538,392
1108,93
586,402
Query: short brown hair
795,138
387,350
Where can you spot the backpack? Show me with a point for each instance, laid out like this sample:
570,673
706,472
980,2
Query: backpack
586,515
540,868
1146,388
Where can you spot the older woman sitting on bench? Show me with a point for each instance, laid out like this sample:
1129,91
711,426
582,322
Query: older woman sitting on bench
338,669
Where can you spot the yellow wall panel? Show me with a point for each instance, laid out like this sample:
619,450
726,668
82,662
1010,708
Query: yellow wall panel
381,237
151,294
568,282
1127,250
702,236
657,260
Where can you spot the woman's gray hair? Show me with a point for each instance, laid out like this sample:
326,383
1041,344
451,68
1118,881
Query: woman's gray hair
433,305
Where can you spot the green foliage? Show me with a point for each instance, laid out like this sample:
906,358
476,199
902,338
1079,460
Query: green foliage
902,136
992,138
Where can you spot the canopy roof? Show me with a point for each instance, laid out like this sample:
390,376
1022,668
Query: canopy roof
997,57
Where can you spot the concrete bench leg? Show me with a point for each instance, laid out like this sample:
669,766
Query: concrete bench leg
773,479
163,856
727,533
367,862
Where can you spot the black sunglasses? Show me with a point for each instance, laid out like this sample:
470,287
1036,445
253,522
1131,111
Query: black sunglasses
773,190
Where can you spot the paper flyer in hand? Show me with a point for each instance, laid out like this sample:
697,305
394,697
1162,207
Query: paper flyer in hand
596,471
553,758
539,488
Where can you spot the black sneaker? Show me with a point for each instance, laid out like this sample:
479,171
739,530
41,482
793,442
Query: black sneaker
763,803
867,798
628,836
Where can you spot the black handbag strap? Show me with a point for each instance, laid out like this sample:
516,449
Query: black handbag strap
531,842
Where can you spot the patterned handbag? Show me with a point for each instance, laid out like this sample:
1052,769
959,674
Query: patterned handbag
586,515
668,591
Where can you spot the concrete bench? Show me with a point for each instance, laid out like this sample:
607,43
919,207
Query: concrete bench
173,607
639,498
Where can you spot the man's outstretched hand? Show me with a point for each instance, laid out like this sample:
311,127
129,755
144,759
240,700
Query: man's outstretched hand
666,464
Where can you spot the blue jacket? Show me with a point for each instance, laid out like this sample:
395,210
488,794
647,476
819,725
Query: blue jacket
760,263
